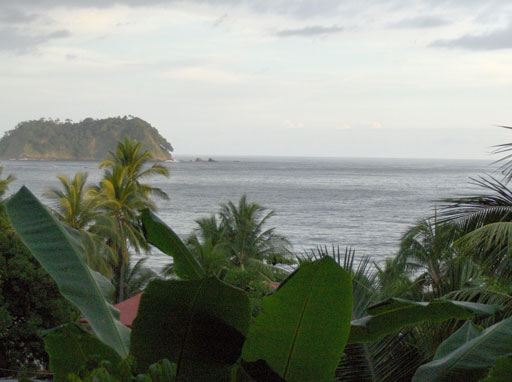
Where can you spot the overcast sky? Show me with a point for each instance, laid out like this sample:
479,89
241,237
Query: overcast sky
403,78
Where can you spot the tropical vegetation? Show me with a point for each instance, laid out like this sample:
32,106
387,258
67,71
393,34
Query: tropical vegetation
4,183
439,310
104,216
238,248
29,301
202,325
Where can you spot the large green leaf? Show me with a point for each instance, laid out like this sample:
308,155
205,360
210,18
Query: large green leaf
502,371
163,237
393,314
468,353
465,333
302,328
70,348
198,324
59,253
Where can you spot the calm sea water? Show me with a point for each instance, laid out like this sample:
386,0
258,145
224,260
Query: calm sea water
366,204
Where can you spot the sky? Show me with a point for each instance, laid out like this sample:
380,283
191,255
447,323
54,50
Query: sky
368,78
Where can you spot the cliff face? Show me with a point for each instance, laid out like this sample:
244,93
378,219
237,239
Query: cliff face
90,139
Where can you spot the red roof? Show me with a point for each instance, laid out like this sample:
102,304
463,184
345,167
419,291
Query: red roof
128,309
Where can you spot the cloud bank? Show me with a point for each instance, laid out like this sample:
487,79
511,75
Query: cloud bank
310,31
499,39
19,42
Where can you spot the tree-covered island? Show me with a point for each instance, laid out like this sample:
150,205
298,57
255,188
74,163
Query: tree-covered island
90,139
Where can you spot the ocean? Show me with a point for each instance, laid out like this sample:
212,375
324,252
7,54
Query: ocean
366,204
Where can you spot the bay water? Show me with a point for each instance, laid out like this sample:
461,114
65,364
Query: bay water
363,203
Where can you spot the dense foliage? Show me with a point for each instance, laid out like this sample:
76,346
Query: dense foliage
29,303
239,248
204,325
216,317
90,139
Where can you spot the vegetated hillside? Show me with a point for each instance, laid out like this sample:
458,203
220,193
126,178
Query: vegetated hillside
90,139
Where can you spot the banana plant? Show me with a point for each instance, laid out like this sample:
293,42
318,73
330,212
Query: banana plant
203,325
57,249
468,354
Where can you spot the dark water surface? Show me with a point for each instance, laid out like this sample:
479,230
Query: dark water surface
363,203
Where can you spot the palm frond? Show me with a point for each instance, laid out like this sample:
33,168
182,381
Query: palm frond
474,211
137,277
391,359
484,292
4,183
506,161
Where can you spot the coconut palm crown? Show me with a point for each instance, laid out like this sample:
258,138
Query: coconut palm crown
73,205
130,155
245,234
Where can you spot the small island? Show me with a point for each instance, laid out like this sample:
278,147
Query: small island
90,139
210,160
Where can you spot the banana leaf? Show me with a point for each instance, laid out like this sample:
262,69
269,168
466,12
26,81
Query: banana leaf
59,253
502,371
198,324
393,314
302,328
468,353
71,348
163,237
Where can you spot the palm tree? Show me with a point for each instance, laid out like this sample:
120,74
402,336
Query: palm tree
485,221
137,277
393,279
4,183
122,195
73,205
209,230
238,249
208,246
246,236
428,248
130,155
120,200
254,250
214,258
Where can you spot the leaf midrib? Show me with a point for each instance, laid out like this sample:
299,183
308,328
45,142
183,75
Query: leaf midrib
189,326
297,329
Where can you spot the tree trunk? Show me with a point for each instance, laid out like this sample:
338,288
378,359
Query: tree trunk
120,276
123,254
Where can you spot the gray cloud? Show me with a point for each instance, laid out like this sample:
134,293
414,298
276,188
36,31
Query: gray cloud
310,31
15,16
301,9
192,62
499,39
15,41
420,22
220,20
